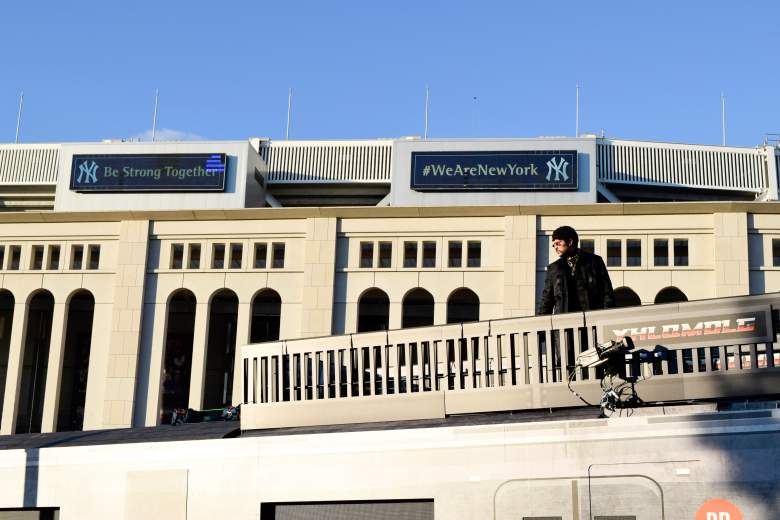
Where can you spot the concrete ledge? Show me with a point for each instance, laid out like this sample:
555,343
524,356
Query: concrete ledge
403,407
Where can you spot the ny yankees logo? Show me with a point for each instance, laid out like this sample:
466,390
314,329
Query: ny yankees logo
558,168
90,170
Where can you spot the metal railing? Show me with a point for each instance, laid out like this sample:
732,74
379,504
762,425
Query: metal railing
712,349
682,165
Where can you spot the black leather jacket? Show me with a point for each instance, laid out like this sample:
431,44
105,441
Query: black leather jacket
593,286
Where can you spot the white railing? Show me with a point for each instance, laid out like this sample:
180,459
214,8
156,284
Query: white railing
509,364
682,165
328,162
24,164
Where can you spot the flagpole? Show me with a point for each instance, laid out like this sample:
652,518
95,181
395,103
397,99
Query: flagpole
426,111
577,113
289,110
19,116
723,117
154,118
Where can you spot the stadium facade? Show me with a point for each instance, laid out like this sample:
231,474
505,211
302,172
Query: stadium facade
328,284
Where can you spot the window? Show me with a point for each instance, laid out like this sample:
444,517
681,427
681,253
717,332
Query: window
614,253
385,255
15,253
94,257
278,259
776,252
261,252
633,252
177,256
454,254
680,251
218,256
76,257
366,254
429,254
474,253
410,254
236,255
194,259
36,262
660,252
54,258
2,256
588,245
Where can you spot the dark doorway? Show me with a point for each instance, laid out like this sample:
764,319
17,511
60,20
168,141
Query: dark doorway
221,350
417,309
626,297
670,295
75,362
177,363
266,316
6,320
373,311
35,361
463,306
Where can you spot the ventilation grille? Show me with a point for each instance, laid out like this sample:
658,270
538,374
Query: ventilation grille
661,164
328,161
29,164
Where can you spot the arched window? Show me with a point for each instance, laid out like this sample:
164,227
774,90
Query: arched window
35,361
177,365
75,362
6,320
373,311
670,295
626,297
417,309
266,316
220,350
462,306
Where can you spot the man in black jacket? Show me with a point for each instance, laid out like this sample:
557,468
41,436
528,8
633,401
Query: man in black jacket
577,281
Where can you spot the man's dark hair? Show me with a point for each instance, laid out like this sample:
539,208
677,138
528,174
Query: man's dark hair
566,233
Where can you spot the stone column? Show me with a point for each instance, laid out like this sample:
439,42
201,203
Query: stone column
732,274
51,395
519,265
125,337
13,377
199,346
318,277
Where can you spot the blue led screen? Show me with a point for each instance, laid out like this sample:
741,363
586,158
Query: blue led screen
149,172
499,170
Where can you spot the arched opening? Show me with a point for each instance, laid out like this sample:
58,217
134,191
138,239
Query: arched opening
177,363
35,361
266,316
670,295
6,320
373,311
462,306
417,309
626,297
75,362
221,350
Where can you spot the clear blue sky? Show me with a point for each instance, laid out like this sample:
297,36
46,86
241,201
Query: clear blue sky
650,70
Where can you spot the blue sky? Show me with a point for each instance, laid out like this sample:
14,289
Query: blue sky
651,71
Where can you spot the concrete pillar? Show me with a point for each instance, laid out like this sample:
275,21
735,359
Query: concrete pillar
125,336
199,346
318,274
13,378
771,171
243,325
732,273
519,265
51,394
156,355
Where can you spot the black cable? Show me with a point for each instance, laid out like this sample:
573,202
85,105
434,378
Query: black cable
571,377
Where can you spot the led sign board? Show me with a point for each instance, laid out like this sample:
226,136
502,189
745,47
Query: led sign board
148,172
499,170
